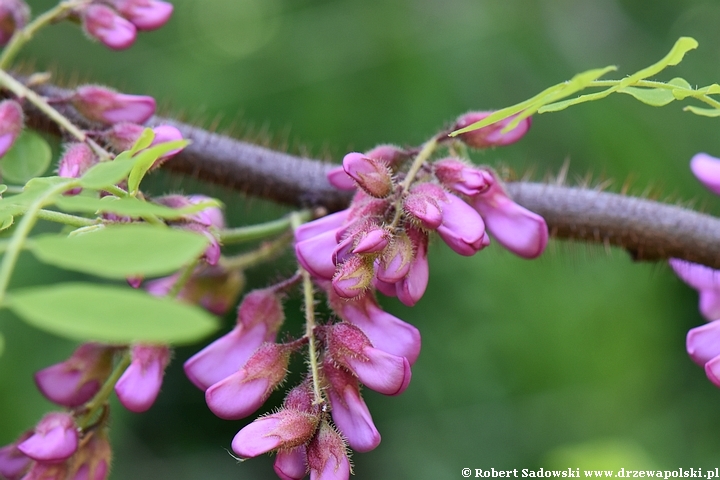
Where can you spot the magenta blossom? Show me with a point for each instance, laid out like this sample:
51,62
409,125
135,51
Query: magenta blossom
11,124
13,462
104,24
76,380
260,316
104,105
55,439
327,455
140,385
144,14
243,392
491,135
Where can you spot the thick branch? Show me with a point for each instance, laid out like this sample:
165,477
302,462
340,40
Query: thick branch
648,230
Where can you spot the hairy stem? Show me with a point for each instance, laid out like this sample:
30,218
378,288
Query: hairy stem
648,230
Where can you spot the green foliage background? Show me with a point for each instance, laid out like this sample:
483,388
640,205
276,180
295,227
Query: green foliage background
573,360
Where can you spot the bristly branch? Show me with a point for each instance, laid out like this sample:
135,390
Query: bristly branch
648,230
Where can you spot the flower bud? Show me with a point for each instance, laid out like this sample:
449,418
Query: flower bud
385,331
705,280
707,169
462,228
372,240
260,316
423,204
144,14
104,24
516,228
103,105
349,411
285,429
327,455
243,392
339,179
14,463
461,178
213,288
371,175
353,277
76,160
14,15
378,370
55,439
395,261
390,155
140,385
164,134
412,287
11,124
92,460
490,135
76,380
291,464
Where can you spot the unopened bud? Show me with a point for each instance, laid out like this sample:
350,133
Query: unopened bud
353,277
11,124
139,386
371,175
243,392
423,204
104,24
491,135
459,177
55,438
390,155
14,15
107,106
327,455
144,14
92,460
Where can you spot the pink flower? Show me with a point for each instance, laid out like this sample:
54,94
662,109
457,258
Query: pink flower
315,254
371,175
353,277
260,316
516,228
104,24
707,169
144,14
291,464
423,204
462,228
11,124
491,135
412,287
705,280
349,411
385,331
378,370
394,263
459,177
14,463
285,429
76,380
140,385
243,392
55,439
107,106
327,455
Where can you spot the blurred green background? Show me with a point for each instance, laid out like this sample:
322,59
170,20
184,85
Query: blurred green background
574,360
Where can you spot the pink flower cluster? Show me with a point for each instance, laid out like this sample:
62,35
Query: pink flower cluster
381,240
115,23
703,343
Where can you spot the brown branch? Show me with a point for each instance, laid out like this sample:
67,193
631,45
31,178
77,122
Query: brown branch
648,230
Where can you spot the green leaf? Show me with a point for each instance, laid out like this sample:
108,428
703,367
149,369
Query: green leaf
103,313
145,160
33,190
675,56
2,344
705,112
144,141
657,97
120,251
6,221
105,174
129,207
29,157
